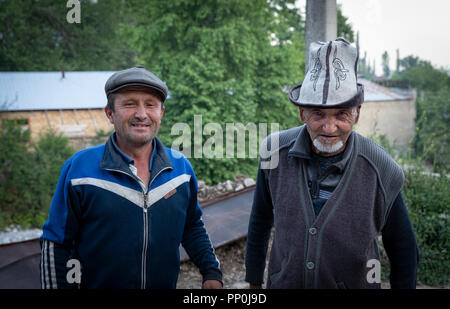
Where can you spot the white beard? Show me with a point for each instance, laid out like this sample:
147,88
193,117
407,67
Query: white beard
327,148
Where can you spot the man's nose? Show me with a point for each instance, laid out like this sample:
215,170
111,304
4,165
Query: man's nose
140,112
330,126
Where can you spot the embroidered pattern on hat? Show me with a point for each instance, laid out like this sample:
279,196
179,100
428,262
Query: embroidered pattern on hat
339,69
316,69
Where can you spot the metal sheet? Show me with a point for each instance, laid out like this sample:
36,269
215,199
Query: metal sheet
19,265
226,220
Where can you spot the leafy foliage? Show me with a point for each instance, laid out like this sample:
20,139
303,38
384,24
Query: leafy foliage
15,165
432,139
427,200
422,75
28,174
35,36
229,62
426,197
344,28
100,137
385,64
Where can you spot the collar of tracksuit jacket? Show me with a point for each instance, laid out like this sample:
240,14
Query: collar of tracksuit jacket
115,159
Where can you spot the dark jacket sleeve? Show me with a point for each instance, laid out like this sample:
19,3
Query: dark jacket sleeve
59,232
196,241
401,247
259,228
58,270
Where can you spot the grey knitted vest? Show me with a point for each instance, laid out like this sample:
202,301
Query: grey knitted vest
332,250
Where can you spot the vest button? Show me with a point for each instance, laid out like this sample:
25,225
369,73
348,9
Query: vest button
313,231
310,265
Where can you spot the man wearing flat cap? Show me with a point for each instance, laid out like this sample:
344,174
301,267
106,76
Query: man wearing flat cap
122,209
331,193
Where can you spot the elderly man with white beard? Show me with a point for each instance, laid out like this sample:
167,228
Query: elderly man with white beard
331,193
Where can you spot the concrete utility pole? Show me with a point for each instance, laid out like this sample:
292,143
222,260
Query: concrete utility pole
321,22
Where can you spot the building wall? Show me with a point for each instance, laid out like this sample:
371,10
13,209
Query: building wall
80,126
394,119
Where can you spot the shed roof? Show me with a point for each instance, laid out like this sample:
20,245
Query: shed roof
50,91
374,92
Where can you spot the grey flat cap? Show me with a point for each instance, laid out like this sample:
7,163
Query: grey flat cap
137,76
331,80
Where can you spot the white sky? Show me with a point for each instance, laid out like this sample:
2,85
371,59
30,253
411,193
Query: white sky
416,27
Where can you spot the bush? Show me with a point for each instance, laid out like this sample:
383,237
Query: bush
28,174
15,168
432,140
100,137
51,151
427,199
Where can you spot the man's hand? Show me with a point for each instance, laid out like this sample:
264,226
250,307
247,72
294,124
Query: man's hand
212,284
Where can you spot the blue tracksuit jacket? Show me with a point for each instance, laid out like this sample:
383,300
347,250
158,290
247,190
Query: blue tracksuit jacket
124,234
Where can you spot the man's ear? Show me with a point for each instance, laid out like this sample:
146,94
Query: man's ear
302,116
108,113
358,110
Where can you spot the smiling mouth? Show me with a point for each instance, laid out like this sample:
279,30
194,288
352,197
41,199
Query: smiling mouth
140,125
329,139
329,136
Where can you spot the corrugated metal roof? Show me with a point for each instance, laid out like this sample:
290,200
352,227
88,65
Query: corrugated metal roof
374,92
49,91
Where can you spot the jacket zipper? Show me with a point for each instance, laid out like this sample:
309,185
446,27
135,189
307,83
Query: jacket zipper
146,228
146,222
144,245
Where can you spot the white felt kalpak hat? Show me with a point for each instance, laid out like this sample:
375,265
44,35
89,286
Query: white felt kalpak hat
331,80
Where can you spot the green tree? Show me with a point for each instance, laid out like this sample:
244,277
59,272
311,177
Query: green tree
228,61
35,36
28,174
15,166
364,67
424,78
412,61
427,200
397,62
385,64
344,28
432,140
50,153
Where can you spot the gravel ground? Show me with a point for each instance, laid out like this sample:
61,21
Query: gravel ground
232,263
15,233
231,259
